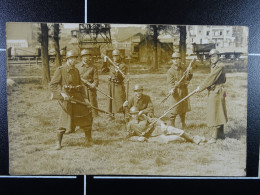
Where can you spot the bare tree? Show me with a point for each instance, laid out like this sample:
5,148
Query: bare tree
182,45
56,38
156,30
43,39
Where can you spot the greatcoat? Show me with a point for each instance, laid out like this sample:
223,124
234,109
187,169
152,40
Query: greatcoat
216,109
89,72
174,74
67,80
116,89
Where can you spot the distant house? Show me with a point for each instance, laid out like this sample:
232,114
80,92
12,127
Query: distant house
146,45
130,44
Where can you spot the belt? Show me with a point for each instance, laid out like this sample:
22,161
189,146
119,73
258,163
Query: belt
72,88
115,81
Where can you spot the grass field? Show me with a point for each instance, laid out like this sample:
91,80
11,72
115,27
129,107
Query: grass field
33,119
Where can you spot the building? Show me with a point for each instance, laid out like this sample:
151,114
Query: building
229,37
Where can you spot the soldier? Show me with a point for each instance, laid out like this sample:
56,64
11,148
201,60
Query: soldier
66,83
141,101
216,109
178,90
160,133
89,74
116,84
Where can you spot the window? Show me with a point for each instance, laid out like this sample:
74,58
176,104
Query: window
220,33
207,33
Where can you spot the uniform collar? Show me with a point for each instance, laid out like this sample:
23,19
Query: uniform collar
85,65
69,67
175,67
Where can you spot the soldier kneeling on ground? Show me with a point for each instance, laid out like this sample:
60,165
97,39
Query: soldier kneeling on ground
160,132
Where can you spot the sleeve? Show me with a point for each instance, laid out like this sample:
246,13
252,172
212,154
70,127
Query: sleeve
95,77
131,102
81,83
211,78
171,79
55,84
149,110
118,74
189,76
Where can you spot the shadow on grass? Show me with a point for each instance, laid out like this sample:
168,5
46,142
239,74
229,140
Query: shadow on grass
196,126
236,132
107,142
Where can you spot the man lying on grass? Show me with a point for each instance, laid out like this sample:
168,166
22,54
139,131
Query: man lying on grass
160,132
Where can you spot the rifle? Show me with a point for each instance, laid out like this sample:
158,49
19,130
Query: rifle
88,83
150,128
127,94
183,76
72,100
106,57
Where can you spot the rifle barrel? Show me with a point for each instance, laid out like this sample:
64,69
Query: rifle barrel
84,103
183,76
115,65
168,110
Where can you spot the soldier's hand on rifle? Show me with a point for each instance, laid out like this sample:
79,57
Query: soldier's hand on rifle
65,96
140,113
125,104
92,85
176,84
116,68
198,88
171,91
87,102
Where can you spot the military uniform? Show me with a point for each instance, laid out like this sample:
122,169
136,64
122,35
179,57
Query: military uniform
67,80
143,104
116,89
174,74
89,72
216,109
160,132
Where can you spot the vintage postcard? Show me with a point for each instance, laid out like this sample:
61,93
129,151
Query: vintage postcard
125,99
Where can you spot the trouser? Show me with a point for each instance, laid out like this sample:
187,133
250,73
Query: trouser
182,117
87,130
59,135
218,132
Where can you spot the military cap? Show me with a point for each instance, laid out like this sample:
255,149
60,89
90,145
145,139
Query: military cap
72,53
85,52
133,110
176,55
116,52
213,51
138,87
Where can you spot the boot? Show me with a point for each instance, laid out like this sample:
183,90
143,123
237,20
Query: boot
59,138
172,120
189,138
220,132
88,138
182,116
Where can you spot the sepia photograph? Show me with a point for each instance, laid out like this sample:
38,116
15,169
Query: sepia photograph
127,99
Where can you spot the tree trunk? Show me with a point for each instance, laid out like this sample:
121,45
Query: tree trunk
44,54
182,46
155,47
57,45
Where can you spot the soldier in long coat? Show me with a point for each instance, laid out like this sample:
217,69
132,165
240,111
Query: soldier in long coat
116,84
178,90
89,74
216,109
66,83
